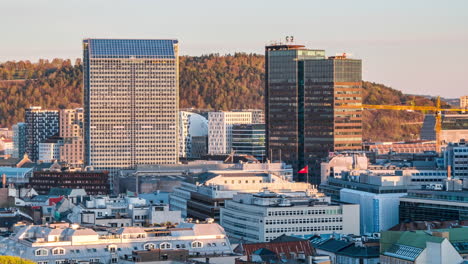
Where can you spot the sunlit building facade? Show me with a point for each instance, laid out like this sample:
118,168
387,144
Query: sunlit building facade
307,99
131,100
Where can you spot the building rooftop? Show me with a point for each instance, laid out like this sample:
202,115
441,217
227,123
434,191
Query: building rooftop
131,48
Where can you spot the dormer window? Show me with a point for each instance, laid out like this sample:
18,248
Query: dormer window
58,251
112,249
149,246
197,244
165,245
41,252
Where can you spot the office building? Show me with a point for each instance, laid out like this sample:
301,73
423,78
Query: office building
131,97
376,188
19,140
456,156
49,149
199,147
264,216
311,105
433,205
249,139
71,131
40,125
70,243
204,198
220,130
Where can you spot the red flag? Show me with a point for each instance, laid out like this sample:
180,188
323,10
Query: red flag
304,170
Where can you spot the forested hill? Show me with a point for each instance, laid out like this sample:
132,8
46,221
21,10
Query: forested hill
207,82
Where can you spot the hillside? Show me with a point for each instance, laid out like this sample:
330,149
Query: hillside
207,82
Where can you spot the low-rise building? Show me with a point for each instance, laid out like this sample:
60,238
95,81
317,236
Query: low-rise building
58,243
456,156
49,149
123,211
262,217
431,205
443,246
94,182
204,198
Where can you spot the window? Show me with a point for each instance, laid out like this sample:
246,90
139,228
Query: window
58,251
112,249
114,260
165,245
149,246
41,252
197,244
42,262
60,261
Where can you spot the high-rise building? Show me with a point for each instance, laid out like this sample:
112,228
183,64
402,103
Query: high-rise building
249,139
191,125
306,99
40,125
71,131
19,140
131,99
220,129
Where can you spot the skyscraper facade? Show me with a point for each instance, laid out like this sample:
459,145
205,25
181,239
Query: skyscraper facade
40,125
306,99
19,140
220,129
131,99
71,132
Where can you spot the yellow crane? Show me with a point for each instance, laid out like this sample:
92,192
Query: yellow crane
436,109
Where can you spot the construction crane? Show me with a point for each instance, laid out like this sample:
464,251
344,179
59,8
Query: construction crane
436,109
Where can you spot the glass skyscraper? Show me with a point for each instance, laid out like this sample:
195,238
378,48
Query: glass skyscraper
306,99
131,98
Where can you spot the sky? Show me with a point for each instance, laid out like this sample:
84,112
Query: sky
416,46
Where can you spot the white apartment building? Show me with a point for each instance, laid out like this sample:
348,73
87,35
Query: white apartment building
264,216
220,130
49,150
62,242
122,211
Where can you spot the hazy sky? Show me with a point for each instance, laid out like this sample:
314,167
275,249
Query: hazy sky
417,46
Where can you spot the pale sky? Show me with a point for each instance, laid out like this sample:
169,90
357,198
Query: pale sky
417,46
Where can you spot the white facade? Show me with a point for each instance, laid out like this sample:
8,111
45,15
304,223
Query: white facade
265,216
7,146
58,242
378,212
49,151
139,210
456,156
190,125
227,183
220,130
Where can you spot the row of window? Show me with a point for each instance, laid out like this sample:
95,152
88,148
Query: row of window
303,229
303,221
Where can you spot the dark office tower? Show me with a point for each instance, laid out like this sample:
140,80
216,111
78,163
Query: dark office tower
131,98
306,99
40,125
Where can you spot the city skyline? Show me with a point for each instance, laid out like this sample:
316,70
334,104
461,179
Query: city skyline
429,36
